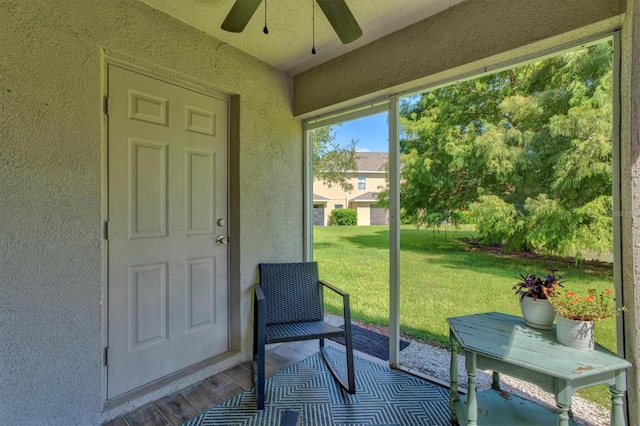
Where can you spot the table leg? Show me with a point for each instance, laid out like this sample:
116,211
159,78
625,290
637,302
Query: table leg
495,382
453,378
617,395
472,403
563,401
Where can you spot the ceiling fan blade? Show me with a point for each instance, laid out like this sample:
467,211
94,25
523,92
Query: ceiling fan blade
239,15
341,19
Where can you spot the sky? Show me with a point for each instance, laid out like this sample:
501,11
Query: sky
371,133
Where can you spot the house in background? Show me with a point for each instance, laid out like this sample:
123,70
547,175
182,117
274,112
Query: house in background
368,180
86,206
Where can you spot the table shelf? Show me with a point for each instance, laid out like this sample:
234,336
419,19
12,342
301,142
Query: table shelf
501,408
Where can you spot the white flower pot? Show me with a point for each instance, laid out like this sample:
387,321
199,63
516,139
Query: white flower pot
575,334
537,313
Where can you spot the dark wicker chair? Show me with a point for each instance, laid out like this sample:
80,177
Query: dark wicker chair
288,306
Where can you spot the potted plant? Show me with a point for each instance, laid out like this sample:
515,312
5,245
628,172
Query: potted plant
534,291
577,313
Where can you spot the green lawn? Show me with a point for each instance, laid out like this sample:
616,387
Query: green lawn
440,277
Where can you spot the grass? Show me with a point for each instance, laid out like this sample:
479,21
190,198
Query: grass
441,277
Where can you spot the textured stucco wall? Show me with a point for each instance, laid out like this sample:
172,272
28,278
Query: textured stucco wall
464,38
51,250
630,199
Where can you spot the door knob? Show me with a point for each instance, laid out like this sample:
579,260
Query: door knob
221,240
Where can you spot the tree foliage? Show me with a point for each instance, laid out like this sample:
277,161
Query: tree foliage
330,161
527,151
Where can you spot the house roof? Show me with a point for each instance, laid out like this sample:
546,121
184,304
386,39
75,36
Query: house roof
317,197
371,161
366,197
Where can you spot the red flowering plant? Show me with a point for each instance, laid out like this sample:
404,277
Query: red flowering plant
590,307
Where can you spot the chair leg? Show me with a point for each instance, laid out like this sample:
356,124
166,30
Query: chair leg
258,375
259,353
350,368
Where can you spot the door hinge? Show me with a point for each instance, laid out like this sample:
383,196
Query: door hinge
106,356
107,105
106,230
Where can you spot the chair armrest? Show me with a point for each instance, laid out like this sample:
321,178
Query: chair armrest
334,288
346,308
258,293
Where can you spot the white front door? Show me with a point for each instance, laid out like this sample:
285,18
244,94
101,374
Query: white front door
167,229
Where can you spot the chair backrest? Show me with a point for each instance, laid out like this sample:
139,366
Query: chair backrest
292,292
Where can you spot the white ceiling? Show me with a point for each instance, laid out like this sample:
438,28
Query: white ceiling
288,44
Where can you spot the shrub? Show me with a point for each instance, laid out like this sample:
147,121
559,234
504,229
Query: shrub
348,217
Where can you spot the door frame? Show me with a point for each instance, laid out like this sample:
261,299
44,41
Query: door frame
109,57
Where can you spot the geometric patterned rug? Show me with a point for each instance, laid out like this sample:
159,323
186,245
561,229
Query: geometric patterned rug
383,397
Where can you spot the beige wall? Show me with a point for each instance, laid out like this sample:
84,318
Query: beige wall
51,155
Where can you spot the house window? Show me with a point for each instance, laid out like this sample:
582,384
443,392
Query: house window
362,182
339,206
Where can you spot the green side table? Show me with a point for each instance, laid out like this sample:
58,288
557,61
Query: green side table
504,344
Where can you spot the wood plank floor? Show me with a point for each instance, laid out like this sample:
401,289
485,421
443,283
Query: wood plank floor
188,403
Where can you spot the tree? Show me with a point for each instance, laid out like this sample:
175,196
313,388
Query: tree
526,151
330,161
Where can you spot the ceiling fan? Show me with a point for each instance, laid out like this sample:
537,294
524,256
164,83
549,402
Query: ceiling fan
336,11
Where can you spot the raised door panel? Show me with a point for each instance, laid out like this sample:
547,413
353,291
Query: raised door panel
200,190
147,107
147,189
200,292
147,305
